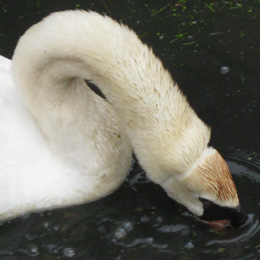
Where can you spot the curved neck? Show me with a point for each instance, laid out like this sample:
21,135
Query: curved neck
65,48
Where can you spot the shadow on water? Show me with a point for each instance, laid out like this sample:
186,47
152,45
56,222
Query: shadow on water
212,49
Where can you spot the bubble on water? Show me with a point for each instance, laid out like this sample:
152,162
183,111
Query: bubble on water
46,224
34,250
31,250
68,252
224,70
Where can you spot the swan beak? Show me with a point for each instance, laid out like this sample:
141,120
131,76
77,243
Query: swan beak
213,212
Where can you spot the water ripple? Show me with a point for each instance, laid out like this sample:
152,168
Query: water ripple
249,230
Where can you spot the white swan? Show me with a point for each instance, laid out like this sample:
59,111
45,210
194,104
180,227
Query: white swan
71,146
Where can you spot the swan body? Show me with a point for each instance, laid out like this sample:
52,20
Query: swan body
65,145
33,176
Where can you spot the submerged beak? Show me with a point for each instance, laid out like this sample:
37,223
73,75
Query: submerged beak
214,212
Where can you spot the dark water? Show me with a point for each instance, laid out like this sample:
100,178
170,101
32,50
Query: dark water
213,51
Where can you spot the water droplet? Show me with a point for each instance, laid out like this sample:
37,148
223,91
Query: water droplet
69,252
46,224
224,70
34,250
31,251
56,227
189,245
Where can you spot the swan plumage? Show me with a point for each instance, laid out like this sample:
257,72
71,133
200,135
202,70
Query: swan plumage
33,175
71,146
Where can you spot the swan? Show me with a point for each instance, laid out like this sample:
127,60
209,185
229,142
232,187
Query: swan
61,144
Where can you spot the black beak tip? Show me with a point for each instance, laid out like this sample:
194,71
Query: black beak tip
239,218
214,212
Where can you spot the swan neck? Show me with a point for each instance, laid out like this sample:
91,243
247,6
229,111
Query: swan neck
51,68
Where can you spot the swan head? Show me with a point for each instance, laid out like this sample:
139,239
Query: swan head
208,190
